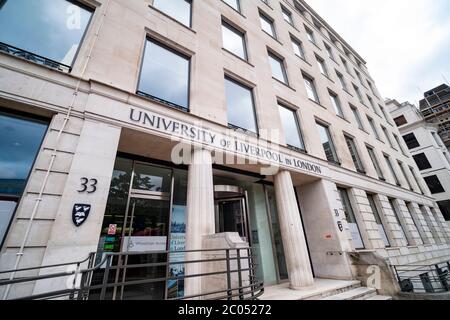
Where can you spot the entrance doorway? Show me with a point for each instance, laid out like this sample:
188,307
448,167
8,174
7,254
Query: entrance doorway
231,214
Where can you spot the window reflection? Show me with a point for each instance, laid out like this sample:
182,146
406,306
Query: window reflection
180,10
240,106
165,75
150,178
49,28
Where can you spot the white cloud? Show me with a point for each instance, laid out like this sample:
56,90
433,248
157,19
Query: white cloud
406,43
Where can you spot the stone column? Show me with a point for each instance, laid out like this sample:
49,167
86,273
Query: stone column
294,242
199,213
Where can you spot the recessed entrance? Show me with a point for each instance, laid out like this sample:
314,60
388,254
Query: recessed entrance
231,210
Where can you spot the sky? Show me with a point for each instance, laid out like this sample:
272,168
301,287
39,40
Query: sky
406,43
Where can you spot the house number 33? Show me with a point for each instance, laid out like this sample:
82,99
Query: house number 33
88,185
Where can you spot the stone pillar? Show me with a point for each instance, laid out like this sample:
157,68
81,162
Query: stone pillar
93,159
199,214
294,242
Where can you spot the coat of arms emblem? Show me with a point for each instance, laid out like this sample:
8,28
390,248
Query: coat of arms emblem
80,213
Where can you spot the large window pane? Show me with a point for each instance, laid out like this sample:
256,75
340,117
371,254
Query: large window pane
394,210
311,89
52,29
351,219
233,40
354,154
375,163
391,168
434,184
298,48
336,104
234,4
381,229
411,141
165,75
240,106
327,143
267,25
291,127
178,9
278,71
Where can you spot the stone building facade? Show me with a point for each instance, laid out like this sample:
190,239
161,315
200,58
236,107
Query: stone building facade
271,102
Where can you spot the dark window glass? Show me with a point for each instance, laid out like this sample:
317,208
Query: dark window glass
165,75
234,40
399,121
434,184
444,206
291,127
52,29
351,219
180,10
411,141
327,142
19,144
354,153
241,113
375,163
422,161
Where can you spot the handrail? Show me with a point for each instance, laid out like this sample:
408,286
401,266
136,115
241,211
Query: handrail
233,269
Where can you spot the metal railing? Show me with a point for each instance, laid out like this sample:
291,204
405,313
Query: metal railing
34,57
225,274
424,278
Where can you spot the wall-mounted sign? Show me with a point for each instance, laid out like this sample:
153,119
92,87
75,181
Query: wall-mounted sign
80,213
340,226
112,229
144,244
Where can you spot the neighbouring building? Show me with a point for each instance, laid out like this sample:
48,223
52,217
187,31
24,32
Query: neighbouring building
152,125
427,149
435,107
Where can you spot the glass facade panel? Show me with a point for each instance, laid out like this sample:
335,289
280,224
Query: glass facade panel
234,4
233,41
291,127
327,143
378,220
267,25
151,178
52,29
278,71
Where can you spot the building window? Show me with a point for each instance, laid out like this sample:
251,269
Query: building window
400,164
278,70
384,113
327,143
354,153
292,132
267,25
341,81
310,35
180,10
165,75
413,217
397,139
391,168
235,4
375,162
378,220
400,121
422,161
388,138
372,104
311,88
394,210
40,28
358,93
411,141
371,88
351,219
359,76
287,15
417,179
336,104
329,51
234,40
344,62
357,117
240,106
322,66
374,129
19,146
434,184
298,48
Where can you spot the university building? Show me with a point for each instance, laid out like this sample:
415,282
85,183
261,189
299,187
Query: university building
156,125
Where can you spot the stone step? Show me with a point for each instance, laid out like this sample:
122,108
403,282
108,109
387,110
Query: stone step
380,297
360,293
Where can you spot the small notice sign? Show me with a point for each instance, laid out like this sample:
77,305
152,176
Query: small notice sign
112,229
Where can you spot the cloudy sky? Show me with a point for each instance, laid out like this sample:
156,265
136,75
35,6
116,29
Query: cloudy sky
406,43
